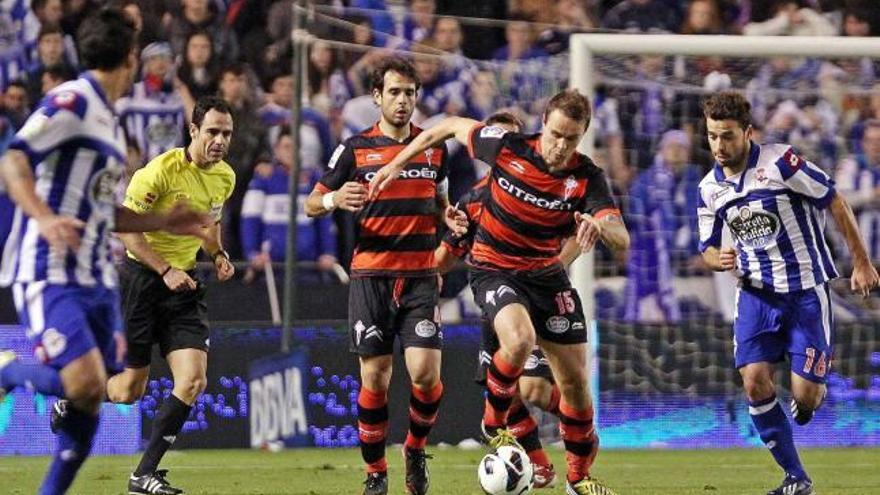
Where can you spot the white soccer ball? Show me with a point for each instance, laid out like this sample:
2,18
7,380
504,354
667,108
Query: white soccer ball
506,471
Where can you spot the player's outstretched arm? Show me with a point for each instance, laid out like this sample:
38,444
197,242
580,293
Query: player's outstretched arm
864,276
458,127
180,220
16,173
720,259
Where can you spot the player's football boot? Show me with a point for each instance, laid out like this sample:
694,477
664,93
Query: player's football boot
416,471
544,476
376,484
152,484
793,486
58,414
587,486
6,357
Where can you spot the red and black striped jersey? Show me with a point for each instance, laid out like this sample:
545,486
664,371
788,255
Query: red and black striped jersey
471,203
528,210
397,232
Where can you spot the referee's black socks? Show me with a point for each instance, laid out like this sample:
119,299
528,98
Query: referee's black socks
168,423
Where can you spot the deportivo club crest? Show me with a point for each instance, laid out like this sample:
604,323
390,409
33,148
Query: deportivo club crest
570,186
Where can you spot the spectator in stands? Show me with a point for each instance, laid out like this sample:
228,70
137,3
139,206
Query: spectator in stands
266,209
316,141
703,17
447,36
418,22
50,52
328,87
799,77
46,13
571,16
866,108
642,15
644,110
360,64
436,95
249,146
147,26
811,127
202,15
662,199
519,36
481,40
198,70
858,21
53,76
16,105
482,96
153,115
380,18
858,179
791,18
610,153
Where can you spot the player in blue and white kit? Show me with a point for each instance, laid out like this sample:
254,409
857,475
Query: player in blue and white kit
62,171
774,203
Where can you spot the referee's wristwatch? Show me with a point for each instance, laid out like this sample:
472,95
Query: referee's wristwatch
219,252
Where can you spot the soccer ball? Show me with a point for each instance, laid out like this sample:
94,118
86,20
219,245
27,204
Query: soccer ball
506,471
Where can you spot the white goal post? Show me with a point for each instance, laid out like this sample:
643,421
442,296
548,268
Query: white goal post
583,47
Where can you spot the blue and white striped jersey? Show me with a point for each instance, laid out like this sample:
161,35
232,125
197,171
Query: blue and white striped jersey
775,211
77,149
154,119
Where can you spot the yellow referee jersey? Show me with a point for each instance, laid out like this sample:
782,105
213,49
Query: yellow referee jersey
170,178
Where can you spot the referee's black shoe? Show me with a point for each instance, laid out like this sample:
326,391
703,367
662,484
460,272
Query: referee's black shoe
58,414
376,484
793,486
154,483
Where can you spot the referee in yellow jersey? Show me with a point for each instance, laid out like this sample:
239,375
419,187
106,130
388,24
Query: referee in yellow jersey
163,302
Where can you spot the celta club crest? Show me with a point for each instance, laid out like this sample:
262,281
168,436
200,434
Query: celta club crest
428,154
570,185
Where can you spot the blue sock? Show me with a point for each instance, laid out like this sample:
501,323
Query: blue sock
74,445
775,431
43,379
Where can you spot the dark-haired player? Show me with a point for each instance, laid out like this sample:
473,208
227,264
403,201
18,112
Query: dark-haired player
62,171
393,291
774,203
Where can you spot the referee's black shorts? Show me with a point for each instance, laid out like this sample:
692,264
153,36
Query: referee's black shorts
153,314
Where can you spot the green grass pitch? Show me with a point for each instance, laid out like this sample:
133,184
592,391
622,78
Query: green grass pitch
453,472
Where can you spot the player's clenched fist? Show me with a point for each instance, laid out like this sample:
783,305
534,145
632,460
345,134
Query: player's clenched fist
727,258
351,196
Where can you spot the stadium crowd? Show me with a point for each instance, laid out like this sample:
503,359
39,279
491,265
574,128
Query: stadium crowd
473,58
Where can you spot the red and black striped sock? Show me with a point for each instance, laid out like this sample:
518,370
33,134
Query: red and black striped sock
580,439
501,387
372,428
423,406
525,429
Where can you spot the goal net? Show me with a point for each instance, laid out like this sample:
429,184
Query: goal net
665,340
